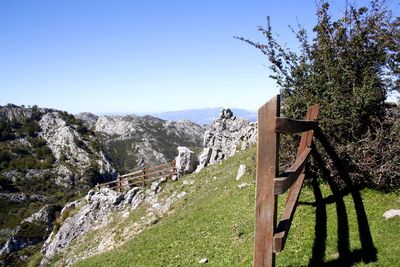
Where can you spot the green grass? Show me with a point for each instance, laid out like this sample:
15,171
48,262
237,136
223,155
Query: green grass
215,221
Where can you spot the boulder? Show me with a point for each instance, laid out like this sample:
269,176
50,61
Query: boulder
131,194
203,261
186,161
241,171
242,185
154,186
224,136
226,114
391,213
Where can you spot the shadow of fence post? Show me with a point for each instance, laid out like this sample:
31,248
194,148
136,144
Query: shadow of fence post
368,252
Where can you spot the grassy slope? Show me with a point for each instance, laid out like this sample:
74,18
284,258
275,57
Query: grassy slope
215,221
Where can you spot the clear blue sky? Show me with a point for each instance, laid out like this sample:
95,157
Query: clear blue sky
121,56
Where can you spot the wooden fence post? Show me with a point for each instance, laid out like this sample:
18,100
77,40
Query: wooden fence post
118,184
143,176
267,170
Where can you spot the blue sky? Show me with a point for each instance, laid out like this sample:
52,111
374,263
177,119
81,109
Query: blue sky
141,56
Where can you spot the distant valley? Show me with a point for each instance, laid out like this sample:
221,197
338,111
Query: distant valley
127,140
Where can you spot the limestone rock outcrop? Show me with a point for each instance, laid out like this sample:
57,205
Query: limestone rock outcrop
97,209
224,136
47,157
88,214
142,138
31,230
186,161
68,145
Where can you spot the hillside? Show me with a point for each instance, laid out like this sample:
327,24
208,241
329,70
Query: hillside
47,158
213,219
129,139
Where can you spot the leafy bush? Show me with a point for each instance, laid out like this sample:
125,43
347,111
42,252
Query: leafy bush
350,67
5,156
5,131
79,143
91,176
82,129
30,128
32,230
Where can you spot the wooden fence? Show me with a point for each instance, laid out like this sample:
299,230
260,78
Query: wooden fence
142,176
270,237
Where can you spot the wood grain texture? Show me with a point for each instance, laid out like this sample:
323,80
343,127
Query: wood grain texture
294,191
138,175
282,184
291,126
267,169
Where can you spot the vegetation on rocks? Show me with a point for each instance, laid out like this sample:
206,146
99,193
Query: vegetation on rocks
33,175
127,140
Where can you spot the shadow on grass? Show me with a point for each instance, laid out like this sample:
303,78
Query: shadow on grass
346,257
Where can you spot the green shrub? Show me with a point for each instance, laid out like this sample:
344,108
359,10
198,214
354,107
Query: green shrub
32,230
349,67
82,129
35,260
79,143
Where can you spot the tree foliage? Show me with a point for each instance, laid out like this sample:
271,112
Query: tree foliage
349,66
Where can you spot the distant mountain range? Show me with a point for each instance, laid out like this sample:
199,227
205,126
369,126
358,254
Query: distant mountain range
203,116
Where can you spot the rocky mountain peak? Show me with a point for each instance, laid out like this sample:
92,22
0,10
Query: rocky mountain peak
88,119
225,114
224,136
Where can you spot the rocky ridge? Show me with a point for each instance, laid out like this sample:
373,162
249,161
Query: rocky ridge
70,146
225,136
46,157
96,211
132,139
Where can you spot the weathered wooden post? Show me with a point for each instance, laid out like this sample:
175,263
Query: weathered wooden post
143,176
267,170
174,170
269,238
118,183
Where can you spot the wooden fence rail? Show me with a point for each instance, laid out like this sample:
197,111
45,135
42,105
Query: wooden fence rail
270,237
142,177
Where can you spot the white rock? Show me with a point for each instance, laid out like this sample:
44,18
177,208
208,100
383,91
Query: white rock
186,161
130,195
188,182
45,215
154,186
181,195
391,213
203,261
61,139
241,171
68,145
89,217
242,185
224,136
